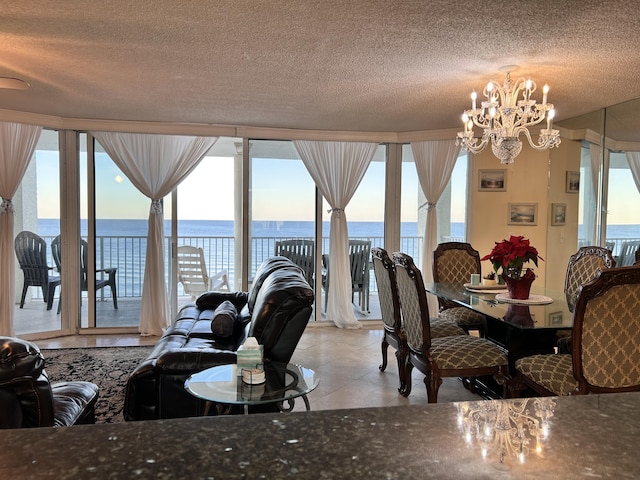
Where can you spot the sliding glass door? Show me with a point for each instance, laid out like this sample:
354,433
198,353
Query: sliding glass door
37,211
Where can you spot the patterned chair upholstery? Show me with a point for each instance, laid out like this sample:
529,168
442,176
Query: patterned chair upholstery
605,353
454,262
582,268
385,274
454,356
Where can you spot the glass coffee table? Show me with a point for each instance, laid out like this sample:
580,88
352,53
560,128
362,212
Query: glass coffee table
222,386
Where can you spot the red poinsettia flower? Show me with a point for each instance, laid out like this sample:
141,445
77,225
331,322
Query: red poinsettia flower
512,254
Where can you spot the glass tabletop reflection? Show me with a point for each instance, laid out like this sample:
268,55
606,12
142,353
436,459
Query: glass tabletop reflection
223,384
553,315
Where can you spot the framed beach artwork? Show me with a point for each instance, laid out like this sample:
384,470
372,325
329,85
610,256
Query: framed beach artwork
492,180
558,214
573,181
523,214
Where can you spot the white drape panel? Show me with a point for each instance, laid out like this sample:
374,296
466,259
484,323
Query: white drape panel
434,162
17,144
337,169
591,209
633,158
155,164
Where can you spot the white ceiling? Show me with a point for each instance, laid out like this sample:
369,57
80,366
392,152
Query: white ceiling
348,65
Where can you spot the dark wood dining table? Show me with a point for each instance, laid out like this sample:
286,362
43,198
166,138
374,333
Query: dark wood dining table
521,329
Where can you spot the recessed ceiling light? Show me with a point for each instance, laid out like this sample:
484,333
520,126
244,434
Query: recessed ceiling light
14,83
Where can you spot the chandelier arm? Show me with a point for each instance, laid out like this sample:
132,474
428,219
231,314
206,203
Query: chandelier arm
541,145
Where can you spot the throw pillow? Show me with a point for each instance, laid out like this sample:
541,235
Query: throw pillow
224,318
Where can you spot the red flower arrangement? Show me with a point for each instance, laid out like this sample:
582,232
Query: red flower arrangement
512,254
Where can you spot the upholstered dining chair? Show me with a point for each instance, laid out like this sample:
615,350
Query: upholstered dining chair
385,274
101,282
583,266
605,346
393,334
31,251
457,356
455,262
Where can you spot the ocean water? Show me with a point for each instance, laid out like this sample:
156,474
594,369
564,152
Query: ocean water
224,228
273,229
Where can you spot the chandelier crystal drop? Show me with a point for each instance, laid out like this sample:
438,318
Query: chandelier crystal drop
507,112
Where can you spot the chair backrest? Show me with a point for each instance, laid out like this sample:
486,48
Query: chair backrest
359,254
413,302
56,253
454,262
301,252
605,340
192,270
385,272
31,252
583,267
628,253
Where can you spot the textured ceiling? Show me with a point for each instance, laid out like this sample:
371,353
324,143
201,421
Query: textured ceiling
357,65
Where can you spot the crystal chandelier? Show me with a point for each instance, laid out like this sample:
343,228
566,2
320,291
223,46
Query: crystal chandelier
507,112
507,428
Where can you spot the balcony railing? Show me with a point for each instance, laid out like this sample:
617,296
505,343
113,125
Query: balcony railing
127,253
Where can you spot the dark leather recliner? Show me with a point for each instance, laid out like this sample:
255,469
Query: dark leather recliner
276,311
27,399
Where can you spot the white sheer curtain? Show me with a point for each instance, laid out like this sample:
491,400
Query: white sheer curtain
155,164
633,158
17,144
434,162
337,169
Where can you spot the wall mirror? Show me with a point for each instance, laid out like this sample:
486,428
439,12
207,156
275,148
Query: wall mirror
599,212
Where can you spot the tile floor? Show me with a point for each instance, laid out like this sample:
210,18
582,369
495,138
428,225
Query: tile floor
346,361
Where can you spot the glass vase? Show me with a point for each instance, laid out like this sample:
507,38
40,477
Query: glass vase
519,286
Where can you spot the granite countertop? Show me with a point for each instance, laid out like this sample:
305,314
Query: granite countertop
591,436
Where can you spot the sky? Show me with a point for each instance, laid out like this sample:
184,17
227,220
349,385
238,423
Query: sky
281,190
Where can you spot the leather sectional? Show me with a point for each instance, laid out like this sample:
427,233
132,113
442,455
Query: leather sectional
276,311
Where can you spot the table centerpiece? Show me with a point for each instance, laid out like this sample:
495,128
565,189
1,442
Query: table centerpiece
512,255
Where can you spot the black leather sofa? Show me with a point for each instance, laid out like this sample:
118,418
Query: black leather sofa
276,311
27,399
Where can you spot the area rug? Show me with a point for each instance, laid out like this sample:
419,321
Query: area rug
107,367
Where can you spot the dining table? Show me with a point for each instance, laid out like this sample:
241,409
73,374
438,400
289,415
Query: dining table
520,327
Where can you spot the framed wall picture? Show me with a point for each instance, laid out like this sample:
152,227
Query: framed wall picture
558,214
573,181
492,180
523,214
555,319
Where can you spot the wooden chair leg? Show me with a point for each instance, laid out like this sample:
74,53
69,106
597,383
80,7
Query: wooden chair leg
385,347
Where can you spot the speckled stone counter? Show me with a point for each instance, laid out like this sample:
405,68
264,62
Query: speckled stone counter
594,436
